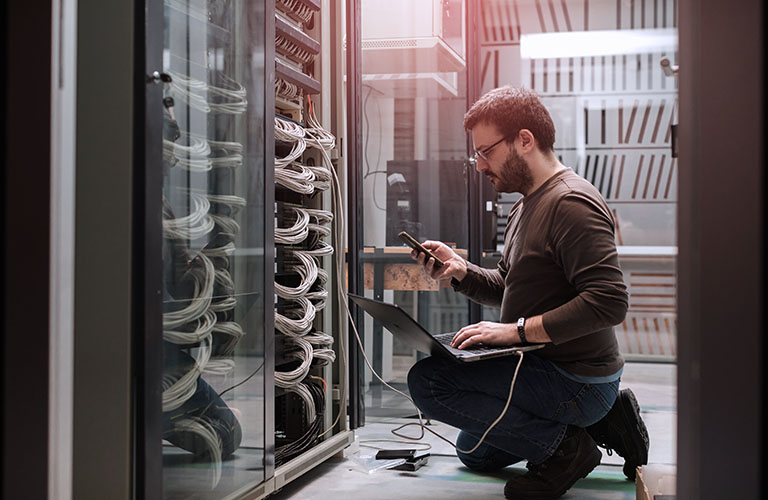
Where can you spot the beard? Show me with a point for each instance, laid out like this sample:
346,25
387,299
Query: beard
514,176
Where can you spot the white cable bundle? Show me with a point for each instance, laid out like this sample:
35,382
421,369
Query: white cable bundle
320,216
226,304
296,177
190,90
193,157
195,92
317,137
319,339
203,429
226,154
307,270
327,355
321,250
297,150
224,279
203,328
231,328
291,49
223,251
321,230
233,202
299,326
237,103
193,226
298,8
228,225
296,233
318,298
203,278
299,349
287,90
176,391
220,366
287,131
322,180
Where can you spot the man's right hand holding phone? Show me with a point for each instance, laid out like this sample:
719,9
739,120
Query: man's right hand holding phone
455,266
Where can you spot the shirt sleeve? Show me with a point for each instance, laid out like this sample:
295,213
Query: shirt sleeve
583,244
484,286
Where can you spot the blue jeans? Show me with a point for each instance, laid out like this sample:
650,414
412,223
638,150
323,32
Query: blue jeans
470,396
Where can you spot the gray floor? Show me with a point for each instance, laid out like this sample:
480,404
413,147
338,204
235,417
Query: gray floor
444,477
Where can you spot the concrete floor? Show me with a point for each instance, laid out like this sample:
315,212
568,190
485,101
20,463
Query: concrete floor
444,476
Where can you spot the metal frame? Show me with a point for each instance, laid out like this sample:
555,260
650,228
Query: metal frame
26,254
104,260
147,250
475,195
269,240
354,192
721,264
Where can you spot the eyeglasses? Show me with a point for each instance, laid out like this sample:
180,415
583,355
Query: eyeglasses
485,152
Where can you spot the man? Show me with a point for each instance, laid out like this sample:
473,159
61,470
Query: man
559,283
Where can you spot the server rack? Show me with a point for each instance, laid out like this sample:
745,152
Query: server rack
233,398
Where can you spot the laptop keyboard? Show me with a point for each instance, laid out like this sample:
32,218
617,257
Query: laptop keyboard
445,339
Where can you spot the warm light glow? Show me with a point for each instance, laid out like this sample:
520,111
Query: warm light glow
597,43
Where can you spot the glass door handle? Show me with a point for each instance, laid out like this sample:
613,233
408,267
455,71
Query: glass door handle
157,77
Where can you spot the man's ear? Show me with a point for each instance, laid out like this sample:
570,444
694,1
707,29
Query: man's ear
527,141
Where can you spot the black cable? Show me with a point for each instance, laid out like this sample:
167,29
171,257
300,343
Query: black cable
244,381
307,440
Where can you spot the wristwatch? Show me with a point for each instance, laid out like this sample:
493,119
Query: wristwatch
521,330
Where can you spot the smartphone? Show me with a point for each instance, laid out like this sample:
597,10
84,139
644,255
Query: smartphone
388,454
413,243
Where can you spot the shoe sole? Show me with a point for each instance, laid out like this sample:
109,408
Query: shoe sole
589,465
640,441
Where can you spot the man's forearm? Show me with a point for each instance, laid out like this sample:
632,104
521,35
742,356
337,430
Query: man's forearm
535,332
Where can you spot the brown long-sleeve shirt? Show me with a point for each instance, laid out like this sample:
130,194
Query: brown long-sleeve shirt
560,260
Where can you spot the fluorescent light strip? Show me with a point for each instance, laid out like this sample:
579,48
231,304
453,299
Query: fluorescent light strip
597,43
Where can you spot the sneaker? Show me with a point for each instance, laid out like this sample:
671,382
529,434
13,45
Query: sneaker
574,459
623,430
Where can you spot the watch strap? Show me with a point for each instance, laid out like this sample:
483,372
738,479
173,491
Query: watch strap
521,330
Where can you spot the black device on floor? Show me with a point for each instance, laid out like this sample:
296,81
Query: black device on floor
388,454
414,463
414,243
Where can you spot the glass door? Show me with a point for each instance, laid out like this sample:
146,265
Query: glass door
213,247
414,176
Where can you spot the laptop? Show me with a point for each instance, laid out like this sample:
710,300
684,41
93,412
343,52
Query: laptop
407,329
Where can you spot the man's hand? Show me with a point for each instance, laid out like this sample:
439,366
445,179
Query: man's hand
455,266
487,333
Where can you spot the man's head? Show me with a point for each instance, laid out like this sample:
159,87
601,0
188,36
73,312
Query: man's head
513,135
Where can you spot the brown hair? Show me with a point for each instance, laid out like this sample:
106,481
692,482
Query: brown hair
510,110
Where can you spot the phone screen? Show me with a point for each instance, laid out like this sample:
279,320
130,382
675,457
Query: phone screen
413,243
